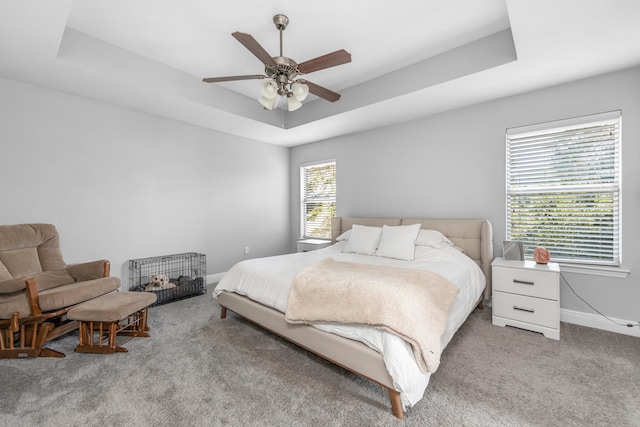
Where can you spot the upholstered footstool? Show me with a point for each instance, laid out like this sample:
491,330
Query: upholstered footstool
102,319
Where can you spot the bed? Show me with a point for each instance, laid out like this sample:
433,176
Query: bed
257,290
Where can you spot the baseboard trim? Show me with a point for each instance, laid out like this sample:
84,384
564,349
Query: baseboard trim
215,278
599,322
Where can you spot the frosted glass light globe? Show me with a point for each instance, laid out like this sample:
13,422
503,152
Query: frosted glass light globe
269,103
269,89
300,91
293,103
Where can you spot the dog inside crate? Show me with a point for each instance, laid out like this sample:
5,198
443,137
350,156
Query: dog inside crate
159,282
170,277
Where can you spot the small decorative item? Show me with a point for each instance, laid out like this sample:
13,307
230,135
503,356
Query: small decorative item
541,255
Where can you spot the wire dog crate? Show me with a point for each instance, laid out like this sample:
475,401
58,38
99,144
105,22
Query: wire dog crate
186,273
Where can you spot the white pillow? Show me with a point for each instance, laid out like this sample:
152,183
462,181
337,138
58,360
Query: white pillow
398,241
363,239
344,236
429,237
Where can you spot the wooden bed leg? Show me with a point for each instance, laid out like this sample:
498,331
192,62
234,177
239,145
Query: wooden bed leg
481,305
396,403
223,312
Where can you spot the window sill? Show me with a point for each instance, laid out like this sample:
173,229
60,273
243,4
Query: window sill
617,272
313,240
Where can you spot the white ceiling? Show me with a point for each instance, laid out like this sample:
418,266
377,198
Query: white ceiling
410,58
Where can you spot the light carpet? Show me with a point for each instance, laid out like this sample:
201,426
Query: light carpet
200,370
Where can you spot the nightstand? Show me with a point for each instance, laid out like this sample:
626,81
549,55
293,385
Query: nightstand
526,295
306,245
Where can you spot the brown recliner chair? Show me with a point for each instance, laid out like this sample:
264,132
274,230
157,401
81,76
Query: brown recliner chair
37,289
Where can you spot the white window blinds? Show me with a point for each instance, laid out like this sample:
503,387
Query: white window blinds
318,199
563,188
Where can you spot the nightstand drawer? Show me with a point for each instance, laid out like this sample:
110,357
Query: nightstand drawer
530,282
536,311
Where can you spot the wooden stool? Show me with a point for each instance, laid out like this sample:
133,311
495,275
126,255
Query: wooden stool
119,313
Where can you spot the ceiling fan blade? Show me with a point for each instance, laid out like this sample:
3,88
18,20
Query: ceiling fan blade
232,78
332,59
254,47
322,92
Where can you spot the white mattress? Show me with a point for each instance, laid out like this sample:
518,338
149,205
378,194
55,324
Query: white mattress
267,281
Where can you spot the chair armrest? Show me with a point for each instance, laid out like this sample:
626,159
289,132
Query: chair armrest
89,270
28,285
32,296
12,285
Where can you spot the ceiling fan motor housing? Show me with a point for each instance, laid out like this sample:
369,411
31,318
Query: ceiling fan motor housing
284,72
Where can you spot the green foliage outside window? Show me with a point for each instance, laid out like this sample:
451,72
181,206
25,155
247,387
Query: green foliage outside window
563,188
319,199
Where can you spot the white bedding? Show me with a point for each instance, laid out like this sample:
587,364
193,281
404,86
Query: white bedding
267,281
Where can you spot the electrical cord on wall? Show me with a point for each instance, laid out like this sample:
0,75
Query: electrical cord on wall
629,325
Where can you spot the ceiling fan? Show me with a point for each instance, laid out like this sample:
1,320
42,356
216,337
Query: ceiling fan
280,72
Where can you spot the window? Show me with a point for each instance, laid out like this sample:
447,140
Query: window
563,188
318,199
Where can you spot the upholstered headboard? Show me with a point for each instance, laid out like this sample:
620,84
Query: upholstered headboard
473,236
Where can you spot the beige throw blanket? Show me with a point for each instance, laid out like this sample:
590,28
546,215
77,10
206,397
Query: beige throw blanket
413,304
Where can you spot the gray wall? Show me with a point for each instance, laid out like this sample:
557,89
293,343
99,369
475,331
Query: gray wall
119,184
453,165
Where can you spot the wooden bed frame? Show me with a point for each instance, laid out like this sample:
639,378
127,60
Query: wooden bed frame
473,236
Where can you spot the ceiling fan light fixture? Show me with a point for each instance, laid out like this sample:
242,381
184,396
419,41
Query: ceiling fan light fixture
280,72
293,103
269,89
300,91
269,103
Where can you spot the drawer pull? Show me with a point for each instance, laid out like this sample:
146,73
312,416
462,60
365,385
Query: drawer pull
522,282
528,310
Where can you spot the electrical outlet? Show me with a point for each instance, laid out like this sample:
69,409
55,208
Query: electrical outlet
246,250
